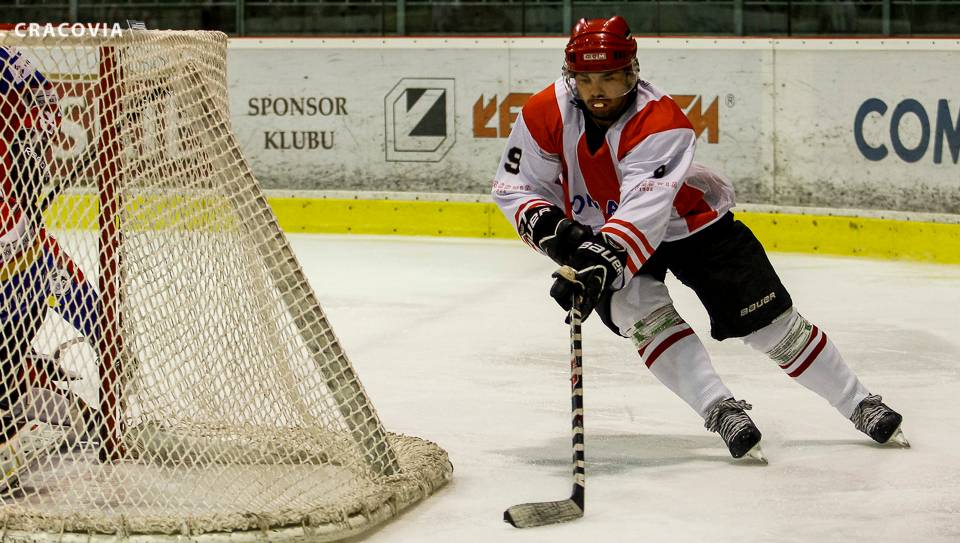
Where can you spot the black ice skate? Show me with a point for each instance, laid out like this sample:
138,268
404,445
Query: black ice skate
729,418
878,421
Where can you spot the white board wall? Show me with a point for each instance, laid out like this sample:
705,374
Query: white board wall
839,123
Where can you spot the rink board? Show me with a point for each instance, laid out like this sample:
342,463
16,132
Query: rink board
920,237
921,240
789,121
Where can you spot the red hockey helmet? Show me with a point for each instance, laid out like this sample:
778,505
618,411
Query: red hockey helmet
600,45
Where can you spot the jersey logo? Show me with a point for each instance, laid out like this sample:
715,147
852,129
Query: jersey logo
658,173
579,202
21,69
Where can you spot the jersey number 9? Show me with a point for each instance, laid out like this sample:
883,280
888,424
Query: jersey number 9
513,160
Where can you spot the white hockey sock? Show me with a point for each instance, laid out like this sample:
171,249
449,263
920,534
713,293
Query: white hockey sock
803,351
677,357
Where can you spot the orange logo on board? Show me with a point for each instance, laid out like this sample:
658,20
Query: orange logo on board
506,112
494,119
703,120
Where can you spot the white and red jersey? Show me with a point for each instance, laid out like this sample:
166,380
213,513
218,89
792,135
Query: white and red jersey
641,187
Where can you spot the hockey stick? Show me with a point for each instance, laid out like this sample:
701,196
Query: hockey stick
528,515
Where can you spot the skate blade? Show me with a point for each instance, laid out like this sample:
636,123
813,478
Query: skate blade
755,454
898,439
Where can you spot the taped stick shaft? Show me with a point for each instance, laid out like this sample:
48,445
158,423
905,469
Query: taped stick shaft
576,397
528,515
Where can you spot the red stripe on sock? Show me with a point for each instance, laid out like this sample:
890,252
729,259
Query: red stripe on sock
813,335
813,356
665,344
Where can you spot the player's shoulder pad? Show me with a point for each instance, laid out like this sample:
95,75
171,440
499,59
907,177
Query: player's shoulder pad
541,116
658,114
16,70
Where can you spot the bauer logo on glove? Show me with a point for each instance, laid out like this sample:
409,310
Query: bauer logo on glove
605,253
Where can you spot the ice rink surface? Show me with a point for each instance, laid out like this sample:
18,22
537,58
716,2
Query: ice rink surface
458,342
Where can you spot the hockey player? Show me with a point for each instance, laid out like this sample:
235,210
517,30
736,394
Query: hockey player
35,274
598,174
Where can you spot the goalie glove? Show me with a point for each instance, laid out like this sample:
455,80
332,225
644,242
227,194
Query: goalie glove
598,267
549,231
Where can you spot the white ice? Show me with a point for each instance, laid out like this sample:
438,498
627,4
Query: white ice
457,341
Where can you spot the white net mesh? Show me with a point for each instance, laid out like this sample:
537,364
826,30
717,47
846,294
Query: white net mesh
166,368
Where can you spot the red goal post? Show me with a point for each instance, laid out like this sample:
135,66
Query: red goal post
104,88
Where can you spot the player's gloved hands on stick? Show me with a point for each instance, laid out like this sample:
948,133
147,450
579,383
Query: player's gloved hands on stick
553,233
597,266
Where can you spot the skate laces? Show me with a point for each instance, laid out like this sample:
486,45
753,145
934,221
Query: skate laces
728,417
870,411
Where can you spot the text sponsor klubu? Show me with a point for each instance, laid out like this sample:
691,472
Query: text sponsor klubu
299,140
300,106
944,130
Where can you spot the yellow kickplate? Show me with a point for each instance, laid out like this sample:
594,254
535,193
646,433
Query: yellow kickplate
796,233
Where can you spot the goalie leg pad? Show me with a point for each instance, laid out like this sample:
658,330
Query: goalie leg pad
30,443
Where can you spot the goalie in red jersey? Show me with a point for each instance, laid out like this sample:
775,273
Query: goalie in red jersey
599,175
35,274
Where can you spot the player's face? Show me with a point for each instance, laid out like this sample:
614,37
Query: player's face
604,92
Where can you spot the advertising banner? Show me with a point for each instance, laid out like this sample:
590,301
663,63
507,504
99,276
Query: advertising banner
865,123
869,125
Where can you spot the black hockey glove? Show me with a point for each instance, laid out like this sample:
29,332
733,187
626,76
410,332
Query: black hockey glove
598,266
548,229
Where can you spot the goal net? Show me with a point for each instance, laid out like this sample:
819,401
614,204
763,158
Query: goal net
165,367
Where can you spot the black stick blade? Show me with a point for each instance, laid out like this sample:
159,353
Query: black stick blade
529,515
